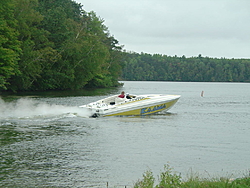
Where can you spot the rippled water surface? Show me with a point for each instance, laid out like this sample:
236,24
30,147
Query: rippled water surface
47,141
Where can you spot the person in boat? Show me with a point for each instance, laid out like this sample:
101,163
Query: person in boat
122,95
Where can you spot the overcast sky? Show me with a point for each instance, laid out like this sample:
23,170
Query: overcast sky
213,28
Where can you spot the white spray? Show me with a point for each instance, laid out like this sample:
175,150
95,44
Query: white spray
29,108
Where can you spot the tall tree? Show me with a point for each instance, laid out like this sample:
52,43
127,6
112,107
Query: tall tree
37,50
9,45
63,47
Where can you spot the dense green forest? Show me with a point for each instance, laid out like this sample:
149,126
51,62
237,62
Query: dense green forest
197,69
55,44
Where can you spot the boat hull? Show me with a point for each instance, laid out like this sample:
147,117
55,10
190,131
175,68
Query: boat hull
139,106
145,110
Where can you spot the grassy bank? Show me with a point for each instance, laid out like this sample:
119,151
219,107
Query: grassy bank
170,179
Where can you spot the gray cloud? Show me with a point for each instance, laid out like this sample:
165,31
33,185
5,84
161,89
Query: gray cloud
214,28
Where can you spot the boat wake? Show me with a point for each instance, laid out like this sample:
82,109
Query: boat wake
26,108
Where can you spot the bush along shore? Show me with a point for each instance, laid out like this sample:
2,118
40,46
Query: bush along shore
170,179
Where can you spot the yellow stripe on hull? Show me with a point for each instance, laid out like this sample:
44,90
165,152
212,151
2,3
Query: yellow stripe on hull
147,110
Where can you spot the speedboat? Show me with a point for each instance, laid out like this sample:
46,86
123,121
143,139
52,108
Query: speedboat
131,105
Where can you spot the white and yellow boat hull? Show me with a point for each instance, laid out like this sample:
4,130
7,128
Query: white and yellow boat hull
138,106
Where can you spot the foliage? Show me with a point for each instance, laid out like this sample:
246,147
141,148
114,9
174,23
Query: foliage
197,69
33,43
170,179
9,45
146,182
55,44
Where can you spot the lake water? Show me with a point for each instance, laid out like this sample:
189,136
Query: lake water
47,141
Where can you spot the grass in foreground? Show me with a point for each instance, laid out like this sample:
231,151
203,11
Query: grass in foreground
170,179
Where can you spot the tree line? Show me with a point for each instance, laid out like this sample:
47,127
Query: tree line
55,44
157,67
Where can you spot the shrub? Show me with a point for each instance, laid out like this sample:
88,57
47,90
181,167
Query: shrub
146,182
170,179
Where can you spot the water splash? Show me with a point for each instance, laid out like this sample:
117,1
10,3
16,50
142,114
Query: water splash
30,108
